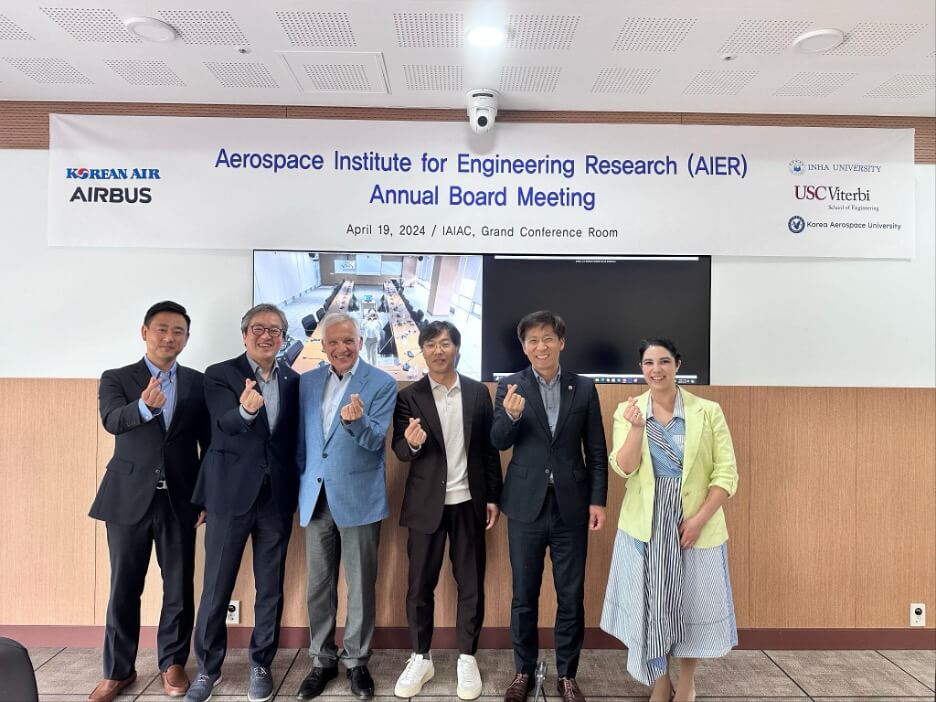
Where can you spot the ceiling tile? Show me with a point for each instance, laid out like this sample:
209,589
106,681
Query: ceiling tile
624,81
719,82
216,27
325,29
92,24
541,32
652,34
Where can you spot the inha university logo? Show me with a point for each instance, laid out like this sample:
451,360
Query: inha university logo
797,167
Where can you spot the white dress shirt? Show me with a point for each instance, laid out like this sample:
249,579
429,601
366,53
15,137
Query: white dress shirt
448,403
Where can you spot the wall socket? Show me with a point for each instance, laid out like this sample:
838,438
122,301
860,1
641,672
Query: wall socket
233,613
917,614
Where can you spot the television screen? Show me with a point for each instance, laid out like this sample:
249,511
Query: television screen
391,295
608,304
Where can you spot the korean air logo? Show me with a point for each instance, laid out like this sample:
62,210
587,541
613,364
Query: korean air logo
796,224
797,167
83,173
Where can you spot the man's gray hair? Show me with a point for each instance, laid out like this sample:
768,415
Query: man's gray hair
259,309
338,318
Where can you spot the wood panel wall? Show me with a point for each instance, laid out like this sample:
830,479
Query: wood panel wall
833,524
25,125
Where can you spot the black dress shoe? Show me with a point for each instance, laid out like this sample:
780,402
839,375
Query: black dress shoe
362,684
314,683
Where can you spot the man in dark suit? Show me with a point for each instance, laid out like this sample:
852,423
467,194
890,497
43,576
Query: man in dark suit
156,410
249,485
442,428
554,493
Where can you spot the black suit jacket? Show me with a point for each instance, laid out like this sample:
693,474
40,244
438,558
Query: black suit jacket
424,496
576,454
141,448
241,452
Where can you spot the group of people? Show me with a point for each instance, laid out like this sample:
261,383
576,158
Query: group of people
241,446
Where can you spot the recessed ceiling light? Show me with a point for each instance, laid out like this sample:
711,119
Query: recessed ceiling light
486,36
819,40
150,29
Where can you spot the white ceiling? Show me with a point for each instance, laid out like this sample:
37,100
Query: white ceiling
664,55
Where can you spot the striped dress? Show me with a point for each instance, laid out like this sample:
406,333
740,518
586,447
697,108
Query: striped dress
661,599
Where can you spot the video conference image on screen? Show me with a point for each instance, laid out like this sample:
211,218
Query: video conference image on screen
608,304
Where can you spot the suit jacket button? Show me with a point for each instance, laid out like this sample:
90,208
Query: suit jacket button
319,479
324,455
546,471
156,472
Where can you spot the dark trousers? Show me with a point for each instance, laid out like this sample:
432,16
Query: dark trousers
130,548
567,545
467,553
225,539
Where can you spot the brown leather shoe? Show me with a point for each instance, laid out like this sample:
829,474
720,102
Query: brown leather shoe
519,689
107,690
175,681
569,690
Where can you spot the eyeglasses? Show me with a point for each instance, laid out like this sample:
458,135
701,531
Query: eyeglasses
258,329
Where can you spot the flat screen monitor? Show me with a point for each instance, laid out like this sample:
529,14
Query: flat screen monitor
391,296
608,305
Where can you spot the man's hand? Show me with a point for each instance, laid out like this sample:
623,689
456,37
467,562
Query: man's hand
415,435
596,517
513,403
493,511
354,410
250,399
152,395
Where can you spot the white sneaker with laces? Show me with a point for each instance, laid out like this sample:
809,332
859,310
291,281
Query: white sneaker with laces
419,670
469,678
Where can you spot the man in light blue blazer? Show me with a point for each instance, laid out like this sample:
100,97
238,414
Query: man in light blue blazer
345,410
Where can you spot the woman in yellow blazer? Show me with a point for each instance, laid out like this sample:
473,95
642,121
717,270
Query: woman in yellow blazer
668,593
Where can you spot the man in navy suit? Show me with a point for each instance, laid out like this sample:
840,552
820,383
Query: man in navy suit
155,408
249,484
554,493
346,408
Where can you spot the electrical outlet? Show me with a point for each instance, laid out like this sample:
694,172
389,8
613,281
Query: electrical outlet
917,614
233,613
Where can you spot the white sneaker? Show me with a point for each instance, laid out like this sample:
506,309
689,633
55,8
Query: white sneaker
419,670
469,678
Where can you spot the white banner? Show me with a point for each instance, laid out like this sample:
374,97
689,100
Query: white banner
185,182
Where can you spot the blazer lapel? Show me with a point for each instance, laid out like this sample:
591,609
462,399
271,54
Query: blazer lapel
695,420
183,389
318,392
468,410
427,407
567,387
534,399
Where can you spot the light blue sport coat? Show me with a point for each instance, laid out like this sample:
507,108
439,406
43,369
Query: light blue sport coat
348,459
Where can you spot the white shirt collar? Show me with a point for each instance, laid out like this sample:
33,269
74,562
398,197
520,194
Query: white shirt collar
352,371
678,409
457,384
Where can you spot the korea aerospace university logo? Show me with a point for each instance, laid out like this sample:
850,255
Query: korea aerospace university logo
796,224
797,167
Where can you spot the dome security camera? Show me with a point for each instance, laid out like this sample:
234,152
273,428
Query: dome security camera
482,110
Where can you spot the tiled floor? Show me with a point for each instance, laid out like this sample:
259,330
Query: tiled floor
66,675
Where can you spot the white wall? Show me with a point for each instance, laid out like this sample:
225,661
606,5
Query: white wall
74,312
